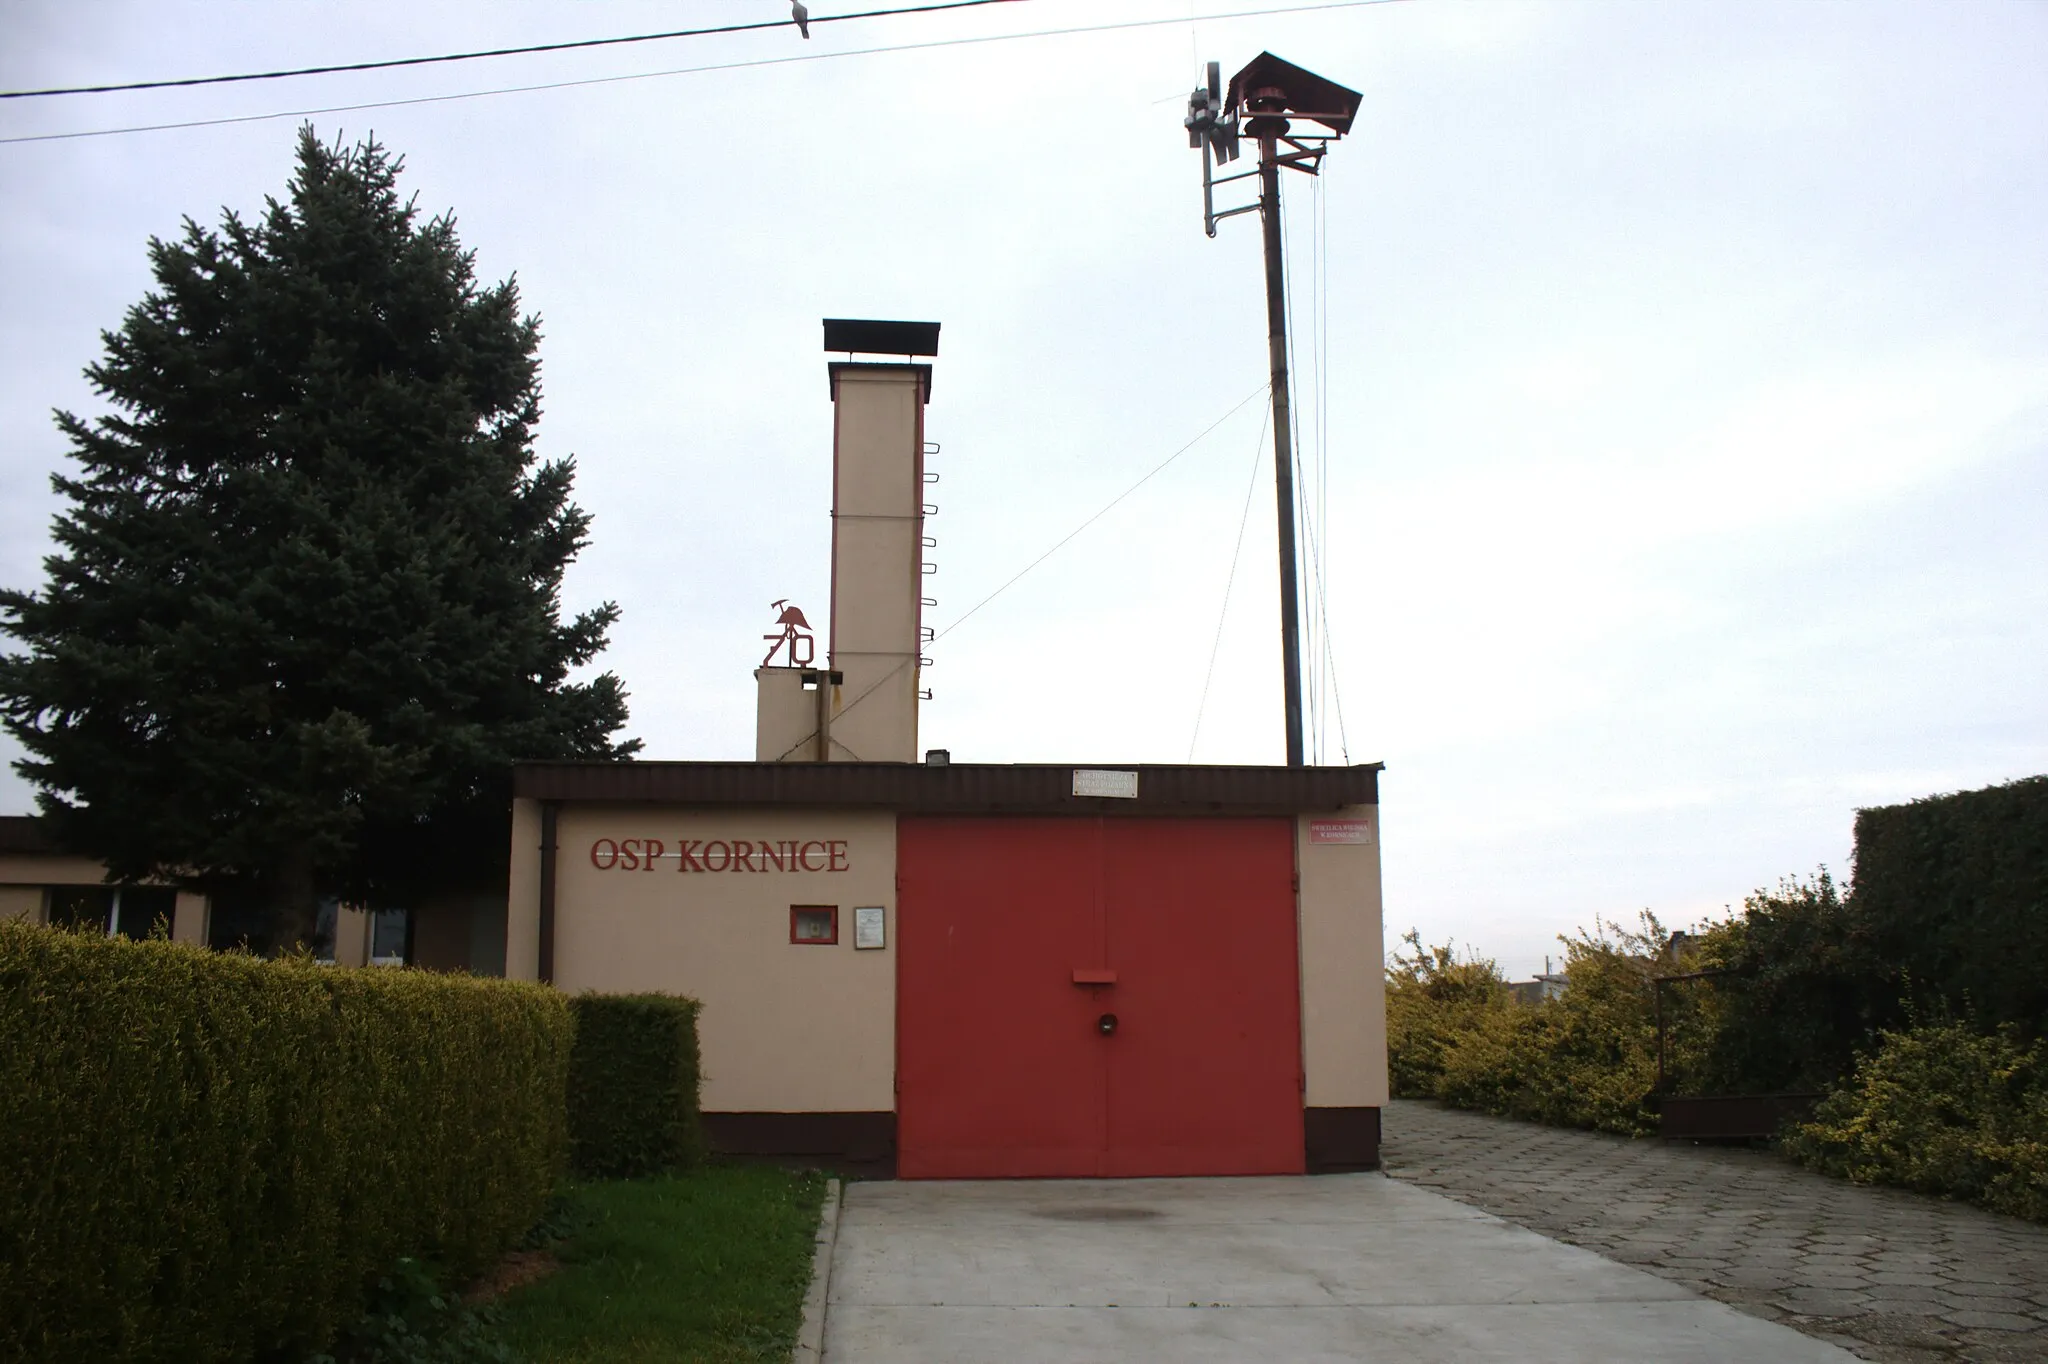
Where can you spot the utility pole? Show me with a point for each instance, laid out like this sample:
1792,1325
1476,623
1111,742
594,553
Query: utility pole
1262,95
1283,443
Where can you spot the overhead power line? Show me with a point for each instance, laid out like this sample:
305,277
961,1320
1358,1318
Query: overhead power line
1061,543
1107,508
491,52
686,71
1223,612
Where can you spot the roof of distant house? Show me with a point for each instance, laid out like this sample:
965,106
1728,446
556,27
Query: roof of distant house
23,834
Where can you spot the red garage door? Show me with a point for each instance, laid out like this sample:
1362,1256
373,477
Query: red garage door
1184,1055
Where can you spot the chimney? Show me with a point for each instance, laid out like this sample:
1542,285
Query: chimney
862,707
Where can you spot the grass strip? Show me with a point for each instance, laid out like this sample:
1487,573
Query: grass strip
709,1266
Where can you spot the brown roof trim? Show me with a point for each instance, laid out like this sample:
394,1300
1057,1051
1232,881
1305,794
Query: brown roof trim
24,834
964,788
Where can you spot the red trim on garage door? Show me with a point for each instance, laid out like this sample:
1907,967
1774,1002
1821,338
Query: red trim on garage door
1004,1065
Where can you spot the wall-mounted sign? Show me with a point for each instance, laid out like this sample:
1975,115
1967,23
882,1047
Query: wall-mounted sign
1340,831
1095,781
867,927
720,854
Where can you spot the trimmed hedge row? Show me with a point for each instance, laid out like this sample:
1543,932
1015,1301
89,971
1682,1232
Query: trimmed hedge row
633,1085
1954,890
207,1157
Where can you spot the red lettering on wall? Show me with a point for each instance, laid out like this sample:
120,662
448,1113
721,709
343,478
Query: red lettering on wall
739,854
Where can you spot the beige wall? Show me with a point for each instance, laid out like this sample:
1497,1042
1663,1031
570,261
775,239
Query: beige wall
351,937
23,876
785,717
786,1027
49,869
188,919
21,902
1343,971
522,900
877,557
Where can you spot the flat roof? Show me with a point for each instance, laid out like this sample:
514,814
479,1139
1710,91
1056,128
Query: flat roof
953,788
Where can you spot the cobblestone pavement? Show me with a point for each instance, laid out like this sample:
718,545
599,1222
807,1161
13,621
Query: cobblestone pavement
1889,1275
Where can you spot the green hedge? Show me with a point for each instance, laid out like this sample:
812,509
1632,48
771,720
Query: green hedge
1805,991
633,1085
1953,891
208,1157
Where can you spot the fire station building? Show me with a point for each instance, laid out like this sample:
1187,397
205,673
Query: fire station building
950,969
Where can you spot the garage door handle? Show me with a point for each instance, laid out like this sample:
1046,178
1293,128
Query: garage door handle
1107,1024
1093,977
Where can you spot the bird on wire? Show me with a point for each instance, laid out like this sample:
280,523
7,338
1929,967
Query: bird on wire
802,17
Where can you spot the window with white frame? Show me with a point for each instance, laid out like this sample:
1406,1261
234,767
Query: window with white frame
117,911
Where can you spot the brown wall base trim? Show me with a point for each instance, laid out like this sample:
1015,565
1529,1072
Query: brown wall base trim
857,1143
1337,1139
1341,1139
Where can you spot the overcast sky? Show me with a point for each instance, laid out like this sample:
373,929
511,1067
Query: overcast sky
1684,401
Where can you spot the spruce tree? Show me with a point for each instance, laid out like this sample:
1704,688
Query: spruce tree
305,606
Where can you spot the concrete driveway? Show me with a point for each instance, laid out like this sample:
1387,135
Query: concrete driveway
1332,1267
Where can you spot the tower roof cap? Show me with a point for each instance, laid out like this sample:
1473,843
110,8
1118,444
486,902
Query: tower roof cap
881,338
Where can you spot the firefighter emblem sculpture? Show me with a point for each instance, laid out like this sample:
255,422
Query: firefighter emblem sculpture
795,636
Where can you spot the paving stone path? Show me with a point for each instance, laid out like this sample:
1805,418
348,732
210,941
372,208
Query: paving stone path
1892,1276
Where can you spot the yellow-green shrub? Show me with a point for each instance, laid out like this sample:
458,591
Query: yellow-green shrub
1941,1108
1585,1059
1433,998
206,1157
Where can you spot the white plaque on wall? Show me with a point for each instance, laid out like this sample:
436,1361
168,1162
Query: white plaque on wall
1095,781
868,927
